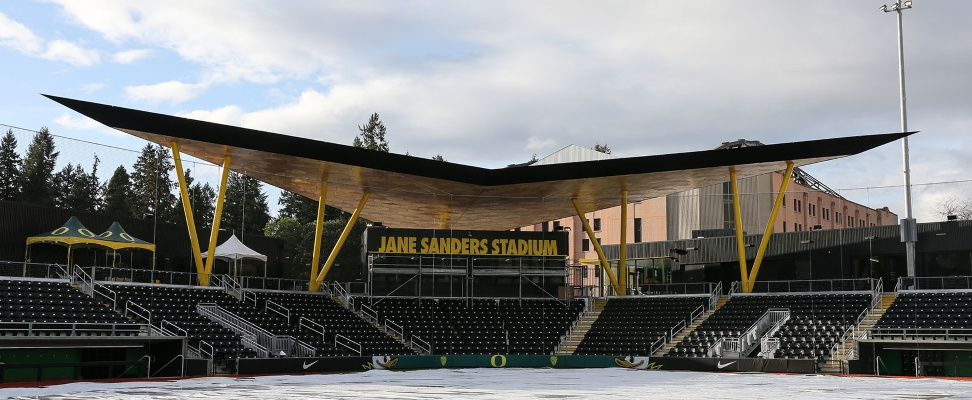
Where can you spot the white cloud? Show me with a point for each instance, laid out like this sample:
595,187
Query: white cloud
172,92
131,56
18,37
92,87
71,122
535,143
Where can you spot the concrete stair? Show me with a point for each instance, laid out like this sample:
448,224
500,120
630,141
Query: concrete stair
690,328
847,349
579,331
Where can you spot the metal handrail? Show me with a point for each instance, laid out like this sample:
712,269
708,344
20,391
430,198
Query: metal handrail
675,330
392,327
274,307
248,296
343,341
86,281
715,295
30,328
99,289
250,342
139,311
164,329
311,325
657,344
182,371
420,344
734,288
368,313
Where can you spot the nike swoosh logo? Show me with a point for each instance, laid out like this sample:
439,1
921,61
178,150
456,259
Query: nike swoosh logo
719,365
306,365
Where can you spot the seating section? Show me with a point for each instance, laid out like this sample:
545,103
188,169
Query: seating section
336,320
177,305
816,323
55,308
481,326
927,315
629,326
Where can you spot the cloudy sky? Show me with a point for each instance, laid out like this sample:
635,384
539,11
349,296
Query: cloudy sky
490,83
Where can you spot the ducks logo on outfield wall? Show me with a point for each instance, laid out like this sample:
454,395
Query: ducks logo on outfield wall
384,362
636,363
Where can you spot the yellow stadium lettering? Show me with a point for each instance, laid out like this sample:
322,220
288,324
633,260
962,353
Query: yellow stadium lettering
550,248
456,246
483,247
444,245
511,247
424,246
522,247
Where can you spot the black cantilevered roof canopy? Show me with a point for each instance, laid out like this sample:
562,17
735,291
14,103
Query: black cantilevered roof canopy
416,192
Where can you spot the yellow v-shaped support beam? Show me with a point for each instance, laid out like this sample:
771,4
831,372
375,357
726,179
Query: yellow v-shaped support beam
749,277
618,289
203,271
316,283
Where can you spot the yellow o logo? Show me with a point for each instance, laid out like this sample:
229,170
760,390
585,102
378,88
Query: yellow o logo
107,234
60,231
502,362
85,232
126,237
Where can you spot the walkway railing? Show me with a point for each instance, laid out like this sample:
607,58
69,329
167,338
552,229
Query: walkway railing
264,340
772,320
677,288
826,285
34,270
26,328
934,283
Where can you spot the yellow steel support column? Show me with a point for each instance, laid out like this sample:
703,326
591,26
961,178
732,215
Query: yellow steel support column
618,289
337,247
217,216
740,246
748,288
187,208
623,248
318,232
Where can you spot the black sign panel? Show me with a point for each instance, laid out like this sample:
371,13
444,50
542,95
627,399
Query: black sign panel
471,243
737,364
299,365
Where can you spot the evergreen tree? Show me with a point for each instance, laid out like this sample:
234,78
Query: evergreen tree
116,202
202,200
38,170
304,210
86,190
438,157
152,185
245,207
603,148
372,135
61,184
10,164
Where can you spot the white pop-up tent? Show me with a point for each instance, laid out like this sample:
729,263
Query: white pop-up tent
233,251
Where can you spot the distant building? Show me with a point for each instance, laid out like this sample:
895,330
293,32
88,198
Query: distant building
708,211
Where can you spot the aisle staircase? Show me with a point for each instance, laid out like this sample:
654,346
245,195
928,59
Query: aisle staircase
577,333
847,349
690,328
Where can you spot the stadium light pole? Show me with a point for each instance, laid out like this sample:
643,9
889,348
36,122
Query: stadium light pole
909,233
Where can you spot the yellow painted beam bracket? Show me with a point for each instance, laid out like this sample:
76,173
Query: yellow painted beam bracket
748,286
337,247
618,289
187,208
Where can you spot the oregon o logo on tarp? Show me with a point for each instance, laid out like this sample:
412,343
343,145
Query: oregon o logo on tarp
502,361
85,232
60,231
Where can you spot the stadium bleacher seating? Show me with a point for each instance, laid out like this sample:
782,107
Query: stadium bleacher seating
177,305
55,308
629,326
941,315
817,321
482,326
336,320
